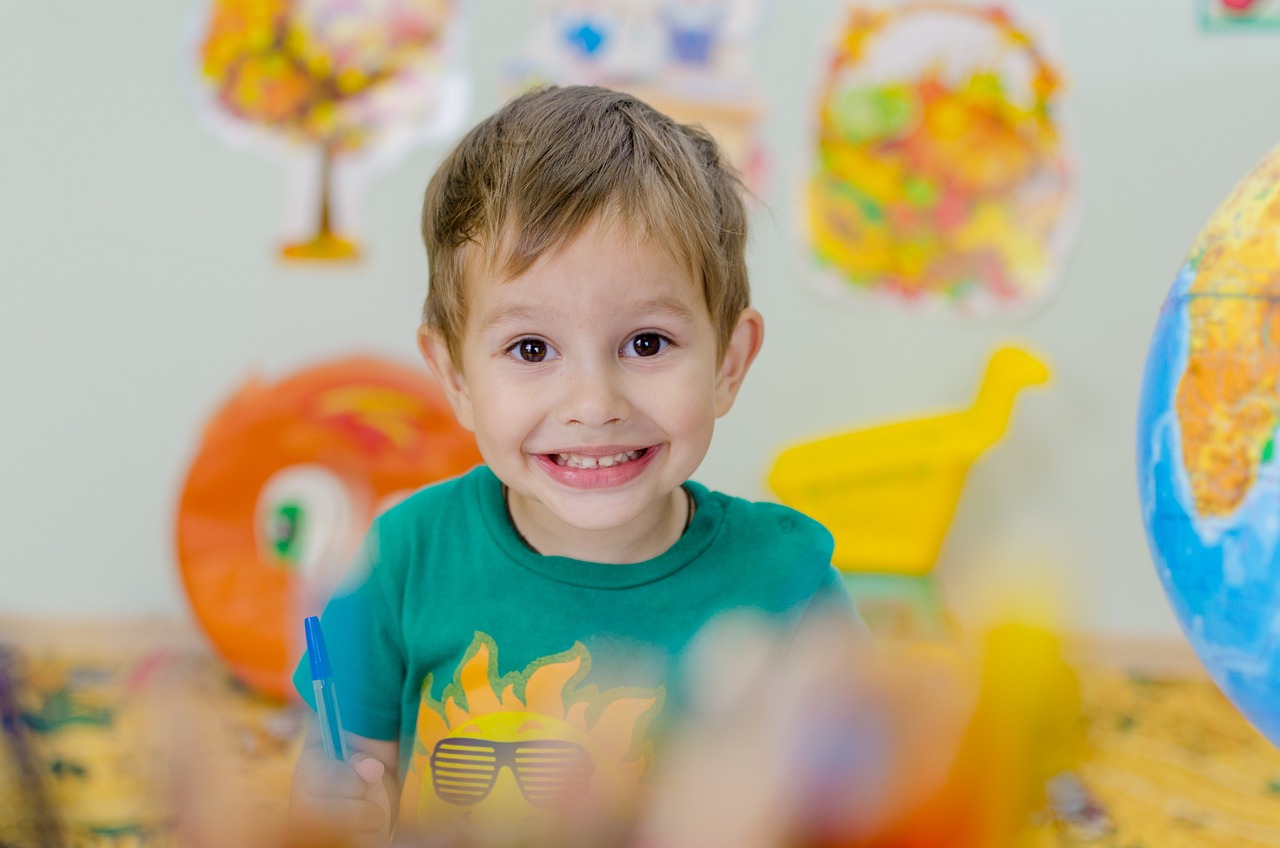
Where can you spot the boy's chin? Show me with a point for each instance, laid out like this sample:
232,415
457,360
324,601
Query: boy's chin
597,519
593,510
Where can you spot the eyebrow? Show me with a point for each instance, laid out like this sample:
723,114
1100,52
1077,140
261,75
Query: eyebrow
507,315
663,306
667,306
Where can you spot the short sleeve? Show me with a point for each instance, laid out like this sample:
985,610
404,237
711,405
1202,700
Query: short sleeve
832,598
361,631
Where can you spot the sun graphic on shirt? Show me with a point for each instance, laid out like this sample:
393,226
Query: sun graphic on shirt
526,749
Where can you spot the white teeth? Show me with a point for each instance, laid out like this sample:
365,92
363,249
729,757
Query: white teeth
575,460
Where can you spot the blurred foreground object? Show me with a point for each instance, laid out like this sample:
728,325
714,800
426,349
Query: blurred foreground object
134,747
287,479
888,493
829,741
1174,764
27,816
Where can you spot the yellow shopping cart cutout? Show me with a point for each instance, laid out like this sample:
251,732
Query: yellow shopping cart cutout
888,493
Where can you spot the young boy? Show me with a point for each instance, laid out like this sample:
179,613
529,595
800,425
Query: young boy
513,642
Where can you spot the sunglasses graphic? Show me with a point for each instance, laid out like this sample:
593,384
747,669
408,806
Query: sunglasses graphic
548,771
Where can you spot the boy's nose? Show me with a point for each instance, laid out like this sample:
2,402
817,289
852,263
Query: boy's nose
593,397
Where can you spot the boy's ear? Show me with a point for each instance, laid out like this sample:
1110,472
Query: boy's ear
741,351
436,352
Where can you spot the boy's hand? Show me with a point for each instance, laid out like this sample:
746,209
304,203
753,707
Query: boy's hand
342,803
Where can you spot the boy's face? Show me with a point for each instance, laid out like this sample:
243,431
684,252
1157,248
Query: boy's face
592,384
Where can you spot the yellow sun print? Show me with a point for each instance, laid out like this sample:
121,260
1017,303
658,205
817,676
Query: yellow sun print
531,749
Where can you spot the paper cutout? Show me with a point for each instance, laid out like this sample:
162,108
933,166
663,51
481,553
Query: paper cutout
337,88
1220,15
288,477
940,169
692,59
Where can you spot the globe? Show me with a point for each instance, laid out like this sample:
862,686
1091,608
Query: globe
1209,476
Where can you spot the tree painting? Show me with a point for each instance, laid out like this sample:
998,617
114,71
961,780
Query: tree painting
338,77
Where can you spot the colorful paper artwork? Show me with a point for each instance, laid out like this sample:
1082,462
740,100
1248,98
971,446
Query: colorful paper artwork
692,59
287,479
336,87
940,169
1218,15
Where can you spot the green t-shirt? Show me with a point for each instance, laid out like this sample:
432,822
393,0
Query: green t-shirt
454,628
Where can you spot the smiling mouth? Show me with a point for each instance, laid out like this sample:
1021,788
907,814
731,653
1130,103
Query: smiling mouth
577,460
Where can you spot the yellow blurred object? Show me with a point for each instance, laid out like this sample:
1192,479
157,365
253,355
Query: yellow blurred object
820,738
1026,729
887,493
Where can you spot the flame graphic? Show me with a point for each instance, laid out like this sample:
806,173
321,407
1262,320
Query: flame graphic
544,701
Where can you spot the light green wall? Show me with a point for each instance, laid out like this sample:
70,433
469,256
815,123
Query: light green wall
137,288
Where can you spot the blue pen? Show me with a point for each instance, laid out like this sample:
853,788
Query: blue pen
326,694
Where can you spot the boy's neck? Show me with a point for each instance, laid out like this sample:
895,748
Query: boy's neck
636,543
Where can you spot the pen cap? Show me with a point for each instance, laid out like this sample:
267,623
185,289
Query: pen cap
316,649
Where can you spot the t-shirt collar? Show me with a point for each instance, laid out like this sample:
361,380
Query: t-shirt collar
707,519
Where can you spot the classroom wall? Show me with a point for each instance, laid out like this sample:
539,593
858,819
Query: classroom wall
138,288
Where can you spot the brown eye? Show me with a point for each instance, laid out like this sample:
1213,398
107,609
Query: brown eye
647,344
532,350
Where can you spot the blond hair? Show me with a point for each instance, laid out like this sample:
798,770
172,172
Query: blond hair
534,174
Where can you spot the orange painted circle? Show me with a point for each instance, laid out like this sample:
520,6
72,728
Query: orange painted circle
370,428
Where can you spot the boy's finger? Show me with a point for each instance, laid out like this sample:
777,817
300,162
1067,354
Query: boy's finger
369,768
332,779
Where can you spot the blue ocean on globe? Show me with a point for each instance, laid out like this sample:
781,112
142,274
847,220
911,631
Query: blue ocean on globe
1221,575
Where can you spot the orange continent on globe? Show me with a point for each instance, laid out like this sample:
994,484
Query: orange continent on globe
1228,400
